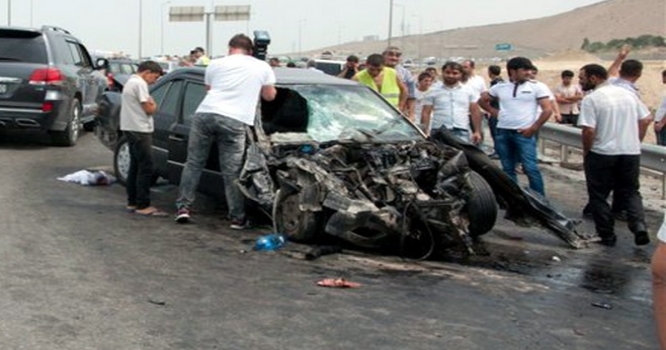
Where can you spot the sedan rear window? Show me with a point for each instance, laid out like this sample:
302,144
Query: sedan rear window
22,46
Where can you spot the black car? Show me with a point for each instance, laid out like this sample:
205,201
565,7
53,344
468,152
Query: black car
330,157
47,83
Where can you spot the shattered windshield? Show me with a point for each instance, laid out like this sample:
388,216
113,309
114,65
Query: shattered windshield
340,112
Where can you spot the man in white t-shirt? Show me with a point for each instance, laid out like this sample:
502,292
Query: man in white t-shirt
614,122
423,85
568,96
471,79
235,83
518,122
136,123
451,106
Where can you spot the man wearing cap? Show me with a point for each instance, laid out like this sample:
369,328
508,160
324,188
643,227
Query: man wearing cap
201,58
518,121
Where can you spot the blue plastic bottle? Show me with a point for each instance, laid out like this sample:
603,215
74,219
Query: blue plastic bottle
272,241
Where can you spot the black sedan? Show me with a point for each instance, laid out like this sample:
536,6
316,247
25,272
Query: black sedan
330,157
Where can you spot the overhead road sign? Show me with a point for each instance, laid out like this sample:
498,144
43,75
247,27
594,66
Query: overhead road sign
503,47
186,13
232,13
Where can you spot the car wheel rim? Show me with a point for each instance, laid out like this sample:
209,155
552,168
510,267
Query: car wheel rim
74,131
123,160
289,210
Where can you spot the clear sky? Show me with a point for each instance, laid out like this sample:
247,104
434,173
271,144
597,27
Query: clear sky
306,24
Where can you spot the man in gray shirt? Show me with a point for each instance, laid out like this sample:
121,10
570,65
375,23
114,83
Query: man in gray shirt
136,123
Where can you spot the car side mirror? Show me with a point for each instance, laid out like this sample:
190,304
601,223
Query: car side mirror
101,63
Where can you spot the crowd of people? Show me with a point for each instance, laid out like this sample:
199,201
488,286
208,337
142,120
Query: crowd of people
605,103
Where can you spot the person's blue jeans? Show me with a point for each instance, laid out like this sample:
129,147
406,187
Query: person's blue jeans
513,148
229,134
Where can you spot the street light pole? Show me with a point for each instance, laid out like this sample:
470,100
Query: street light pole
9,13
300,29
140,27
31,7
390,33
162,27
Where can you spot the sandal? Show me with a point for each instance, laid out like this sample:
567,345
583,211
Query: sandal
151,211
337,283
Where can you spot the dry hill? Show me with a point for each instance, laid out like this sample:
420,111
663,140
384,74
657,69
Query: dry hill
536,37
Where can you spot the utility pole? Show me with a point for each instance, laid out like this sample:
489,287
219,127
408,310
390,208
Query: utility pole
9,13
140,27
390,33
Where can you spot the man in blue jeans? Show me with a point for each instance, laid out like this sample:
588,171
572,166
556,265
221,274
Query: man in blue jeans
234,85
518,121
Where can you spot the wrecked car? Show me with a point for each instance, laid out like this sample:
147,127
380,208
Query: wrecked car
331,158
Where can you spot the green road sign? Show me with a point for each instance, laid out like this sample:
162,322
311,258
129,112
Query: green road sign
503,47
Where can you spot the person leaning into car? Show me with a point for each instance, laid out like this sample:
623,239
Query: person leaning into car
136,123
234,84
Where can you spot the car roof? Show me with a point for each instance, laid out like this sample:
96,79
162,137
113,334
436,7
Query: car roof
285,76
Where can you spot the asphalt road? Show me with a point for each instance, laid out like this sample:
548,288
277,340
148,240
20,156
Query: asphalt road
77,272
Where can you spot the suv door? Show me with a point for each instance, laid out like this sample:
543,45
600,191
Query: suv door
86,83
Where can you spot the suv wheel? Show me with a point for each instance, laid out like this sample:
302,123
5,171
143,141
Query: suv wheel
121,160
70,135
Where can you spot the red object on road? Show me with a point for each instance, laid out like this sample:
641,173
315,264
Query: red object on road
337,283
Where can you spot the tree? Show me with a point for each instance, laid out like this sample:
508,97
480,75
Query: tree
586,43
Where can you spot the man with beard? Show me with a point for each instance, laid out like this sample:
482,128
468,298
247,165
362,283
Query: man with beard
451,106
518,121
614,122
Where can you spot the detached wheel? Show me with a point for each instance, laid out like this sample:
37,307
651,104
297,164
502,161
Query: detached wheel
121,160
481,206
70,135
297,225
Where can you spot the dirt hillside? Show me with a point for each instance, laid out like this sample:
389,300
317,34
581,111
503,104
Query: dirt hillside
534,38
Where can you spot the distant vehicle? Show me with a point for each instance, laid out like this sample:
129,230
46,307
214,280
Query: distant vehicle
48,83
168,66
330,67
430,61
118,71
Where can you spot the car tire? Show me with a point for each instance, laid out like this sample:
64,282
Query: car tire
290,220
70,135
121,160
481,206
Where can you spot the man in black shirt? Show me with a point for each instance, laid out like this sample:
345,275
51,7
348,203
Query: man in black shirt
351,68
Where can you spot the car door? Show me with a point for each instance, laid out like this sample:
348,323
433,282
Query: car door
192,92
85,80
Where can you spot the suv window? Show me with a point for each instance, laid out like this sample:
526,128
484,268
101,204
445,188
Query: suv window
22,46
79,59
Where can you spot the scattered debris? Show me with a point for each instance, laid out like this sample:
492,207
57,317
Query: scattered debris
157,302
316,252
337,283
603,304
89,178
556,258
